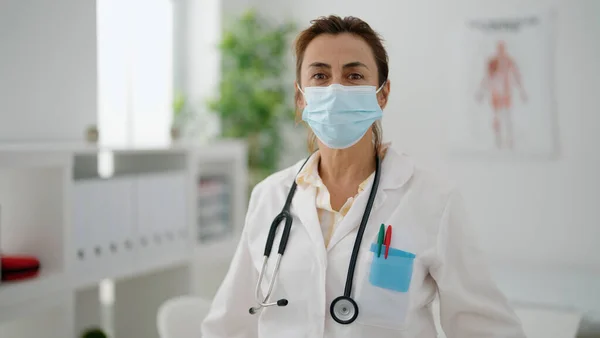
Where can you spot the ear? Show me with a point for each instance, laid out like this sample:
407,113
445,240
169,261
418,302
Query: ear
299,98
384,93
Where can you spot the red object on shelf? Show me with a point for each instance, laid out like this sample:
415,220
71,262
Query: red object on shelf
16,268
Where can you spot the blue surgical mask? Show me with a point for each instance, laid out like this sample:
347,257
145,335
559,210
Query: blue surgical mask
341,115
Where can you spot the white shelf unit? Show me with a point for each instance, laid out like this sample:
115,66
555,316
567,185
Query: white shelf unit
226,165
136,227
33,196
52,316
133,222
226,161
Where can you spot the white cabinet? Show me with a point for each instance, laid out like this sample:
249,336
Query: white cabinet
126,225
103,228
48,70
161,207
135,230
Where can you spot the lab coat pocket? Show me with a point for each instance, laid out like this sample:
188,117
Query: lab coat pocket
383,299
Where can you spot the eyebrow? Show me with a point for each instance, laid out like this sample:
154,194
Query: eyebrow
354,64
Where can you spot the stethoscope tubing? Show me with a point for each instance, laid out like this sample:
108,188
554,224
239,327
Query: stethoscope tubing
361,229
285,215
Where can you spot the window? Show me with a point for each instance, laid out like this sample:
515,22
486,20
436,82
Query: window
135,72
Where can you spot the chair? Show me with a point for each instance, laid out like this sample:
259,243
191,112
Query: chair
181,317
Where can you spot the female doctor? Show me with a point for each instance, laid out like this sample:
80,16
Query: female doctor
362,238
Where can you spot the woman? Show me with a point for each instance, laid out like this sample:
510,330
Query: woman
341,88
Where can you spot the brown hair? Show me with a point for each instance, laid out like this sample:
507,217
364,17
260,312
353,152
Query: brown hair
336,25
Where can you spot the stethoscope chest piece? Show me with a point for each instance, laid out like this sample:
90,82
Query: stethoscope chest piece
344,310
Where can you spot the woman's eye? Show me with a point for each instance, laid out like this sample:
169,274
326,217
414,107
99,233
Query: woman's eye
319,76
355,76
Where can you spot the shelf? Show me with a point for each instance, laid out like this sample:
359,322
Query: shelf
210,265
23,298
31,223
135,223
128,163
223,150
138,299
129,226
143,262
216,252
157,266
49,316
89,311
80,148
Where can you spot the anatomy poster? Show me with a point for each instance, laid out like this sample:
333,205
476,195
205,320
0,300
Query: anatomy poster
502,98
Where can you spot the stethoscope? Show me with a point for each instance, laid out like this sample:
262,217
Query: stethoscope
343,309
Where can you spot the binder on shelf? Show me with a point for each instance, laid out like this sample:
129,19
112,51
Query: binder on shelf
148,216
162,216
175,224
103,218
214,208
84,230
119,221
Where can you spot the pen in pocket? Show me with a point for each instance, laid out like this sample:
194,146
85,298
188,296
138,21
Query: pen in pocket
380,239
388,240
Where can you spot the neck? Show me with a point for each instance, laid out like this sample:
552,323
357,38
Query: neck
347,166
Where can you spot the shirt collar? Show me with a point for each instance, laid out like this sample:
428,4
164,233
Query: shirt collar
398,168
309,174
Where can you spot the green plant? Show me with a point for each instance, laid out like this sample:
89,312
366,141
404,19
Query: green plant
253,93
94,333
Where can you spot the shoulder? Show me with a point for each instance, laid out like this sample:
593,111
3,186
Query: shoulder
433,199
427,187
417,175
272,189
266,201
277,180
432,182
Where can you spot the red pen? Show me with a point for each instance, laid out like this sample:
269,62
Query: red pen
388,240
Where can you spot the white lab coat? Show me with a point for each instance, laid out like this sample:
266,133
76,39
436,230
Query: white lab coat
428,219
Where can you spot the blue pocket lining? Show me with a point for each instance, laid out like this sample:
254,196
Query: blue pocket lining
393,273
392,252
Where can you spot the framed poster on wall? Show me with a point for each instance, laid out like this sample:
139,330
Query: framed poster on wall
502,87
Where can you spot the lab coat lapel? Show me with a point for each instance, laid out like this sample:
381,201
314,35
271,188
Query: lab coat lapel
303,206
396,170
354,216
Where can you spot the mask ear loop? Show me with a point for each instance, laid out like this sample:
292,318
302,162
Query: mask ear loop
378,90
300,89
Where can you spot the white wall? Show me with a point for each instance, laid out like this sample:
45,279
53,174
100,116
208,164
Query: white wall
531,213
47,70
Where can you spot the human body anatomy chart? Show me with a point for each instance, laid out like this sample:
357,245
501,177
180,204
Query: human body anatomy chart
502,92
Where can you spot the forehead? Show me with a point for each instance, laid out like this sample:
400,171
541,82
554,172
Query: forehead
338,50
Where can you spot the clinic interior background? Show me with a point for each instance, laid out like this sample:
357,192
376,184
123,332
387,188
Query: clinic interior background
537,218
